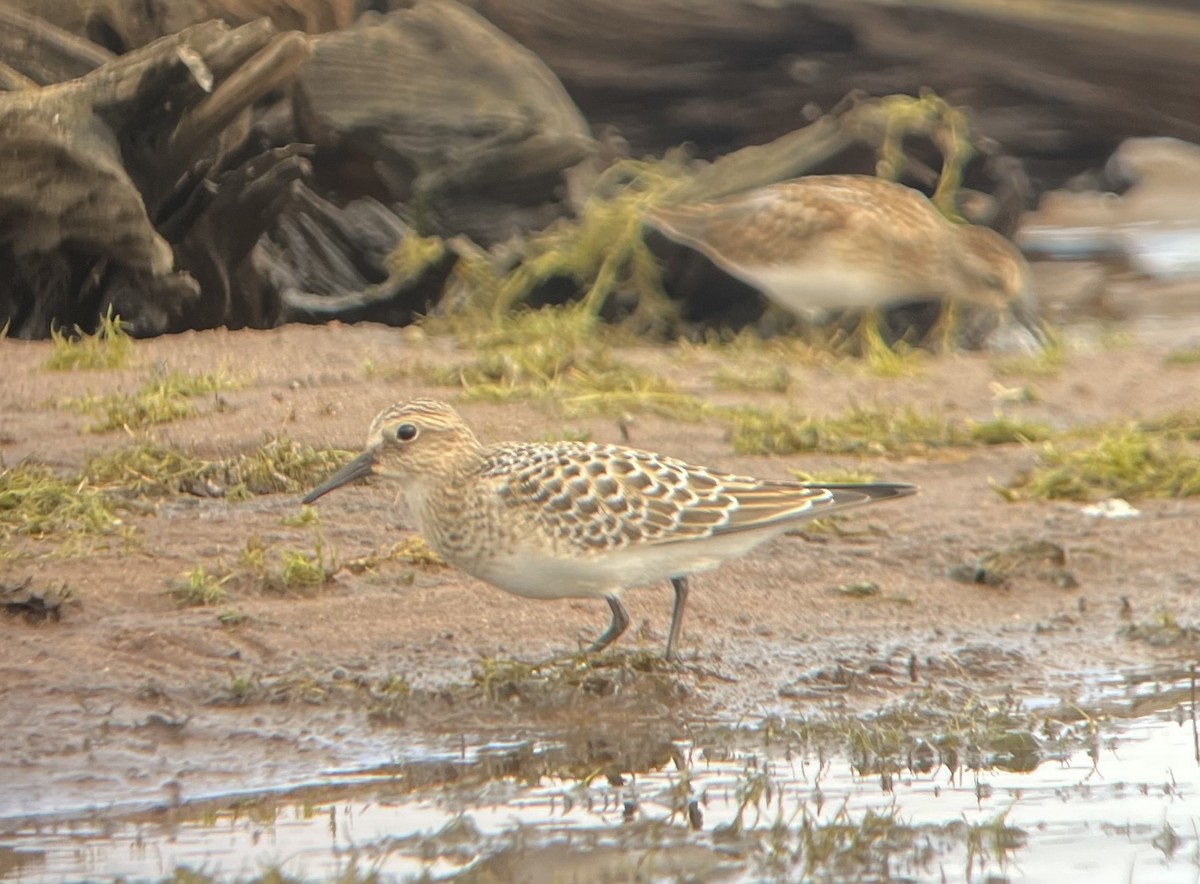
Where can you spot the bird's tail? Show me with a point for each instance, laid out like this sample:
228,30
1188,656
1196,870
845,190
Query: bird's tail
873,490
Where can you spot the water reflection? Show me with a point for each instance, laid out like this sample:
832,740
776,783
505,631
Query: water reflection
1123,807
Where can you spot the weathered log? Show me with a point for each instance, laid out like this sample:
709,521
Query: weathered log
433,103
128,184
337,263
92,164
240,205
179,199
41,53
123,25
1058,83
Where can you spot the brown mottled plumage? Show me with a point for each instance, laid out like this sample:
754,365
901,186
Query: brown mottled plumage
578,520
835,242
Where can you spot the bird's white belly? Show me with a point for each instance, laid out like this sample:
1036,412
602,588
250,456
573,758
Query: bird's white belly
537,574
836,286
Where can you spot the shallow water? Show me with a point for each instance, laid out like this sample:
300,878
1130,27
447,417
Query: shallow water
1125,808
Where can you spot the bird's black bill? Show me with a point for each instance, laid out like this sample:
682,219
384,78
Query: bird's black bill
361,466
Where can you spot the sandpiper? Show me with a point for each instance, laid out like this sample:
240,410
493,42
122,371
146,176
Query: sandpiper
838,242
579,520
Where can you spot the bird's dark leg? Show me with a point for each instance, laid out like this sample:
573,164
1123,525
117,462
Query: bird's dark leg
619,621
680,586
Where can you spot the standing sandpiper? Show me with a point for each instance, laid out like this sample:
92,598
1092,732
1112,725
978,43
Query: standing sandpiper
576,520
839,242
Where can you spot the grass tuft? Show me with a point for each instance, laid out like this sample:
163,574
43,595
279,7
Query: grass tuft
415,550
36,502
858,431
866,431
147,470
388,698
885,361
300,570
834,475
1183,356
39,503
162,399
296,569
1002,430
109,347
1163,631
197,587
754,379
556,681
1047,362
528,353
277,465
1128,462
561,356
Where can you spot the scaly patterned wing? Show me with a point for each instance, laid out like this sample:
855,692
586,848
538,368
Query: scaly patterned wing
876,212
605,497
759,503
760,227
785,222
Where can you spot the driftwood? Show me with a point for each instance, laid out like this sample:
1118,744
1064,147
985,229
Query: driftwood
34,52
124,25
94,163
144,185
434,105
335,263
170,182
1058,83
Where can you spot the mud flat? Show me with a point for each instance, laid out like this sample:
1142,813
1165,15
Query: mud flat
198,674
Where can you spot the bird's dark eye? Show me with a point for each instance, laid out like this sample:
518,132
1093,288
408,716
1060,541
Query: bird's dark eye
406,432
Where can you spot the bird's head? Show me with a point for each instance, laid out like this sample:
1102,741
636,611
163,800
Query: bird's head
998,276
408,441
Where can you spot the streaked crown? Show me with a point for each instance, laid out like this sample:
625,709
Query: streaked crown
421,435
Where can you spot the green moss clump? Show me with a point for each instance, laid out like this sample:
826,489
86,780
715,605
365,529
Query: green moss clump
1128,462
277,465
560,356
604,250
302,570
162,399
1004,430
198,587
769,379
36,502
858,431
146,469
1181,424
1184,356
